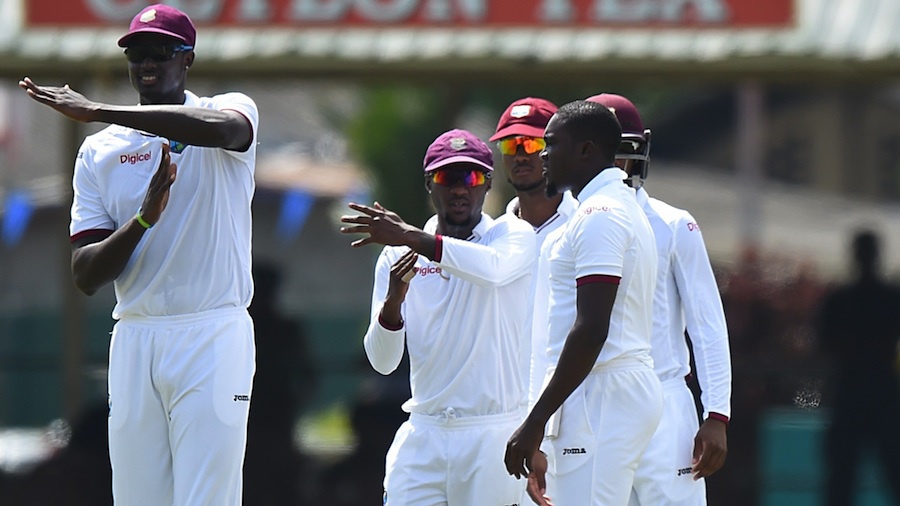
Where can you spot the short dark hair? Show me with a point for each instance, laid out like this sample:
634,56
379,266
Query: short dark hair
590,121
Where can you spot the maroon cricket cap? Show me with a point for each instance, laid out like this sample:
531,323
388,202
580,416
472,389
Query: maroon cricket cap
625,112
527,116
458,146
164,20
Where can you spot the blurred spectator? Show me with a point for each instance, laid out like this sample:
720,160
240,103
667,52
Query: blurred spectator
276,472
859,329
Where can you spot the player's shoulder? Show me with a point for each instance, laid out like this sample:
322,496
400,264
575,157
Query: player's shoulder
606,206
115,134
233,99
675,217
112,139
507,223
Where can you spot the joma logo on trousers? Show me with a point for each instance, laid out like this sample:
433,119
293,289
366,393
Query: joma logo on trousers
238,397
684,470
574,451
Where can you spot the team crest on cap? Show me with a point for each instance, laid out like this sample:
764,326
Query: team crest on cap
520,111
457,143
148,16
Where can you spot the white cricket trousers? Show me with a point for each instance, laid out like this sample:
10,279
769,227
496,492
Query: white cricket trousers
664,474
179,399
448,460
604,427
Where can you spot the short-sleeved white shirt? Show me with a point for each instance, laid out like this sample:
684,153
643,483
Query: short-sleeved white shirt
464,318
687,297
535,362
607,239
197,257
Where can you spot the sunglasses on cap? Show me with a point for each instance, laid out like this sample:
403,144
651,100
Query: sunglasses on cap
532,145
157,53
449,177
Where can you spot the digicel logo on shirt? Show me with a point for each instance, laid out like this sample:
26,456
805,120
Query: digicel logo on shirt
424,271
595,209
135,158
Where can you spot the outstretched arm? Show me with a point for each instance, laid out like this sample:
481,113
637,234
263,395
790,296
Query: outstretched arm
98,260
196,126
386,227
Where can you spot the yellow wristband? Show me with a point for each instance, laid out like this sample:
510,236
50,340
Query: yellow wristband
140,219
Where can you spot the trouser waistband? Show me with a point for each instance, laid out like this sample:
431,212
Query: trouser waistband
449,419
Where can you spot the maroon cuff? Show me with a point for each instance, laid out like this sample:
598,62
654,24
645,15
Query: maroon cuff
388,326
438,247
90,233
718,416
598,278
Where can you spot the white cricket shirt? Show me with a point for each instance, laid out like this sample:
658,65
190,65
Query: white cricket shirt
607,239
687,297
535,361
197,257
464,319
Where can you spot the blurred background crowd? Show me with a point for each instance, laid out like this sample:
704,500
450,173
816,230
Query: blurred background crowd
774,123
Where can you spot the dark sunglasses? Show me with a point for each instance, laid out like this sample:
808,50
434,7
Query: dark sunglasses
449,177
137,54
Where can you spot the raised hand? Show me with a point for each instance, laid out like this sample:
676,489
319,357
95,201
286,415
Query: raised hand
382,225
157,196
402,273
62,98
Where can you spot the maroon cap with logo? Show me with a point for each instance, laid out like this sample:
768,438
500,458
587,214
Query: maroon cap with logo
527,116
625,112
164,20
458,146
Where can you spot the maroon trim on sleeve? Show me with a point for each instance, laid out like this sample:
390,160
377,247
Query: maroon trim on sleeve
438,247
598,278
90,233
718,416
388,326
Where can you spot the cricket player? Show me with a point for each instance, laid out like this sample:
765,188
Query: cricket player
162,210
682,453
455,295
602,401
520,138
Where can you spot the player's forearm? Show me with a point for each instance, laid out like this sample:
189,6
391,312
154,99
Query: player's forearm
384,346
578,357
495,264
99,263
196,126
423,243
